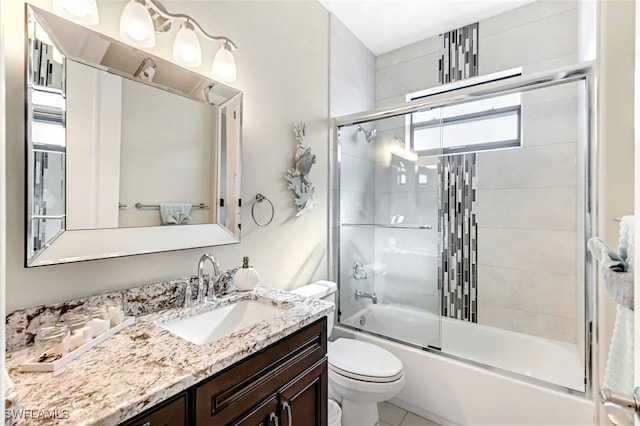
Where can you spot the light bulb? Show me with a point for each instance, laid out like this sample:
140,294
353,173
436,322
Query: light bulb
81,11
224,64
186,46
136,25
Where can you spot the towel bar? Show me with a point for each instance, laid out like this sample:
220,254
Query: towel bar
45,217
141,206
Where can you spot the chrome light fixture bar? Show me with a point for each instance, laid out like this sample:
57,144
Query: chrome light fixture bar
139,28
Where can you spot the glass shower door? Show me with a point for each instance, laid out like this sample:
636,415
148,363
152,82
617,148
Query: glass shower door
389,249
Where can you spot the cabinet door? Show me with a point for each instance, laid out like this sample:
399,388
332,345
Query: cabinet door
171,414
303,401
264,414
241,387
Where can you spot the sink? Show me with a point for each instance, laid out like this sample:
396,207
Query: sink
217,323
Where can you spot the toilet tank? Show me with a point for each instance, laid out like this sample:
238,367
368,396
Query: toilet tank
325,290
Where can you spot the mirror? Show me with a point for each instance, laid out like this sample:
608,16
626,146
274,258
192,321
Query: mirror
126,153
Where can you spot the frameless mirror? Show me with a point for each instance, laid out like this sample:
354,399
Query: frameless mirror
126,153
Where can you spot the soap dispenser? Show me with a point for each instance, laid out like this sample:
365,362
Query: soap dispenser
246,277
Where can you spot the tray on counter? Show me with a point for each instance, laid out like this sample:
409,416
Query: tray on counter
33,365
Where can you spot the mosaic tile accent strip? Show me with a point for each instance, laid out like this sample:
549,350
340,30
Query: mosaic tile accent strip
458,274
459,229
459,58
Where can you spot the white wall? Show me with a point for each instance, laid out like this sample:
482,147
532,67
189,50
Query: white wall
615,71
167,154
93,125
283,72
3,246
352,90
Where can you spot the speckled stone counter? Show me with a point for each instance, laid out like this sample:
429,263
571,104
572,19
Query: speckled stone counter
145,364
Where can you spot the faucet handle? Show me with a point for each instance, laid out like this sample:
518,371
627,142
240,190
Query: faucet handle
211,285
188,295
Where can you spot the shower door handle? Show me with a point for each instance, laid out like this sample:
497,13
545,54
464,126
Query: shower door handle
616,404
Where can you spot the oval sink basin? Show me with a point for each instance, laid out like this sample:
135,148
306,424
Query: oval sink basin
212,325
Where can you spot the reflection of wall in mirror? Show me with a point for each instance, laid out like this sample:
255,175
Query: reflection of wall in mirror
134,143
94,104
166,154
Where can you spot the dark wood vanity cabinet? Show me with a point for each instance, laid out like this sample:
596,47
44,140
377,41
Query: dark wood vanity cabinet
172,412
284,384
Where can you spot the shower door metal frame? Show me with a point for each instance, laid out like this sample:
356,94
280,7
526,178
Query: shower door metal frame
573,73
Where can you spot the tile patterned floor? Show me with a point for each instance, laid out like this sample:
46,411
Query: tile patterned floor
391,415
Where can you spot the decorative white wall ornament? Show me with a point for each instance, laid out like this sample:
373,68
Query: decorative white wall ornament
298,176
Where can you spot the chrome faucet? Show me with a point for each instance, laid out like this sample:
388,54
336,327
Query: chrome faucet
363,295
210,294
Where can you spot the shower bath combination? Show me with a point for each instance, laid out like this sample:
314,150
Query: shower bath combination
376,187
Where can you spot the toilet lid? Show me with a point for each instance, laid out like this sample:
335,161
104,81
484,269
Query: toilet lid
363,361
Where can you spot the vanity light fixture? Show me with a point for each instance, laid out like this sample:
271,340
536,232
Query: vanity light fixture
224,64
81,11
186,46
141,19
136,25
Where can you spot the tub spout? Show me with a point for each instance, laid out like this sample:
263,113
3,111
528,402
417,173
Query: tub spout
372,296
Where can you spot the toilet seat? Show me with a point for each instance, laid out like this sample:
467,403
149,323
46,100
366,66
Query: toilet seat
363,361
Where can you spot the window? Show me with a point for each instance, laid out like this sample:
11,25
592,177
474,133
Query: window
471,126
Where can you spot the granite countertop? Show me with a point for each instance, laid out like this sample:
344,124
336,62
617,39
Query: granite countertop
145,364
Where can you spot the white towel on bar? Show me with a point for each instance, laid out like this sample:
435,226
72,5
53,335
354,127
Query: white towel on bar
175,213
607,257
618,374
626,246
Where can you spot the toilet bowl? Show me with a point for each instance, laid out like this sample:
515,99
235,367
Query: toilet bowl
360,374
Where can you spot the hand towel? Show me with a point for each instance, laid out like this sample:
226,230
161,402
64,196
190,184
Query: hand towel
626,241
618,374
175,213
619,287
607,257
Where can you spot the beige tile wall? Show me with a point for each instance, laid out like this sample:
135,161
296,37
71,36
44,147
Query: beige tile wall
527,203
352,78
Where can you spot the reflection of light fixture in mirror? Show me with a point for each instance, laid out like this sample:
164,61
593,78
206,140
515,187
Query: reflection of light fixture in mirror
136,25
146,70
397,147
206,94
224,64
81,11
141,19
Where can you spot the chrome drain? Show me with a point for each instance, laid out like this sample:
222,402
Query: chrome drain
363,320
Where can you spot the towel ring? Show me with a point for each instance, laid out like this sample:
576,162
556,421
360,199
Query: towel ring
260,198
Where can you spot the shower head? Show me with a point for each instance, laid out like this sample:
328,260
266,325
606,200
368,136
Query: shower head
369,135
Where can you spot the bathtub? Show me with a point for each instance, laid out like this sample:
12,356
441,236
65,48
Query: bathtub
449,391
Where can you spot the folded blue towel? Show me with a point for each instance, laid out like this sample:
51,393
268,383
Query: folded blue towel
175,213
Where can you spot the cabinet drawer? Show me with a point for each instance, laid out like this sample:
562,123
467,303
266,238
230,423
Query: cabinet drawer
172,414
234,391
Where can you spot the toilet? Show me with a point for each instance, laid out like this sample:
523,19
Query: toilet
361,374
